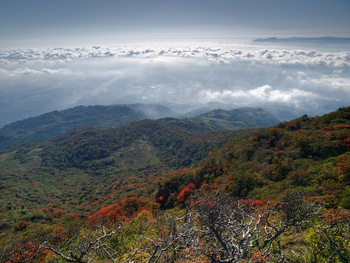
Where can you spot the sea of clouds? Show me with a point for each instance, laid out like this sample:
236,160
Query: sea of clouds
35,81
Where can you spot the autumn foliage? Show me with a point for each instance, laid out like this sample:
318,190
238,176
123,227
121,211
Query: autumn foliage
186,193
257,169
123,211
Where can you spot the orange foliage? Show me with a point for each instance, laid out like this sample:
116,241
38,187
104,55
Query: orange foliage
252,203
124,210
179,172
73,217
337,127
210,187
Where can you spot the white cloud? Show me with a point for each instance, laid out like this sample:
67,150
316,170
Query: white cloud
222,53
257,95
58,78
56,71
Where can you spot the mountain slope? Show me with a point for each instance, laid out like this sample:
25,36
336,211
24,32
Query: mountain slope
70,192
236,119
93,147
309,154
94,165
45,126
53,123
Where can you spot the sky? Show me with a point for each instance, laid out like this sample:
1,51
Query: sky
43,21
60,54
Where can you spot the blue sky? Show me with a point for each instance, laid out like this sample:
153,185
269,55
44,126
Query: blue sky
41,21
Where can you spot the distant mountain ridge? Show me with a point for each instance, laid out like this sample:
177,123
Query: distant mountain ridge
236,119
326,39
53,123
50,124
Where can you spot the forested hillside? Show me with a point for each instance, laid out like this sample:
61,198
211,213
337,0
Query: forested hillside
43,127
173,191
84,168
310,154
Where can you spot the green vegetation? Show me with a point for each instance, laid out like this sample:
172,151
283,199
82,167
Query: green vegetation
310,154
175,191
45,126
83,169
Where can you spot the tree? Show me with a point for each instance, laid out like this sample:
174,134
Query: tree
231,230
223,229
215,229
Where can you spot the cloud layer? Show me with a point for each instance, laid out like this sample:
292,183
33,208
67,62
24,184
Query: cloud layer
220,53
34,81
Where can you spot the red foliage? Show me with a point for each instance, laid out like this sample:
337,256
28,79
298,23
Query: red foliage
203,202
48,209
347,141
24,252
186,193
57,214
336,216
337,127
73,217
292,126
259,257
